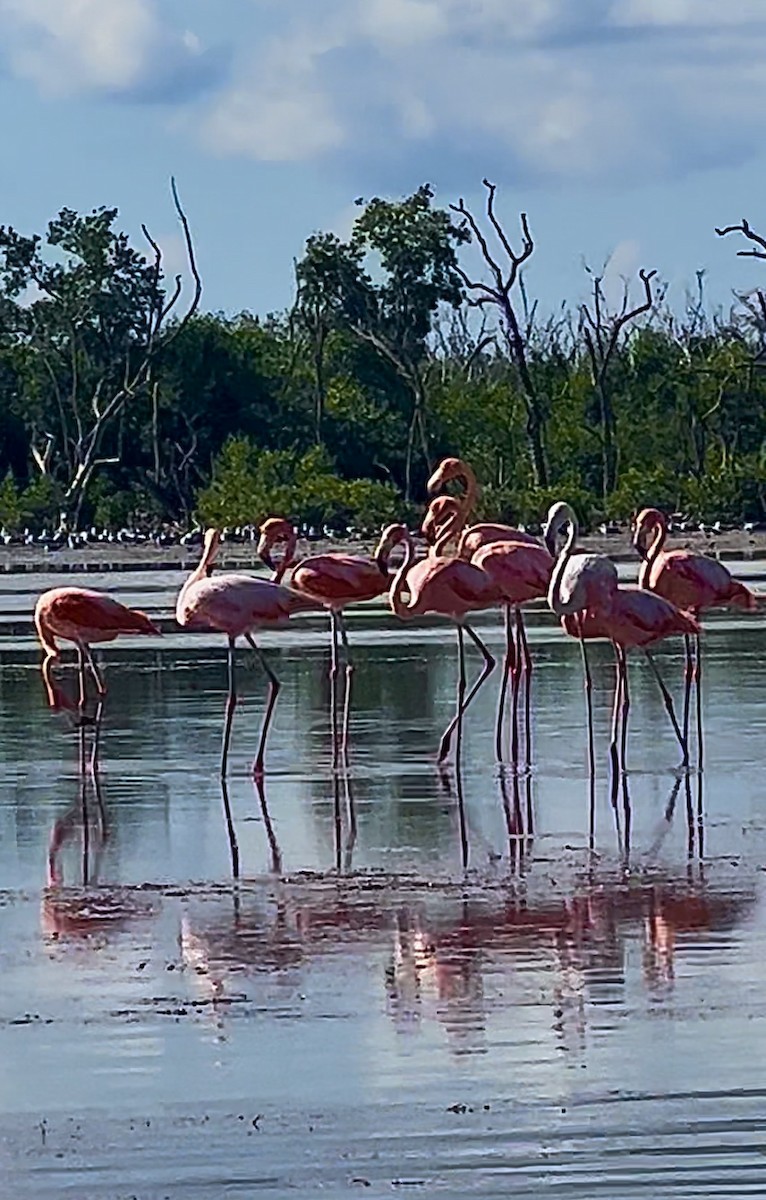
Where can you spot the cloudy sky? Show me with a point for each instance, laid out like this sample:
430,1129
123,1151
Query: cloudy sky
625,128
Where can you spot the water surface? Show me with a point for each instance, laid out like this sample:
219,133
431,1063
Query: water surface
452,987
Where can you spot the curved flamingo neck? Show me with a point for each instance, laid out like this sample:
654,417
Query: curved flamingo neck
451,530
288,557
398,606
471,488
554,591
657,543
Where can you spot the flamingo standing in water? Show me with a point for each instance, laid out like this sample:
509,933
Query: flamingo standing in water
447,587
237,605
522,572
84,617
692,582
334,581
584,593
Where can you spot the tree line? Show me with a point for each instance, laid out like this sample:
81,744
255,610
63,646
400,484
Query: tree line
122,402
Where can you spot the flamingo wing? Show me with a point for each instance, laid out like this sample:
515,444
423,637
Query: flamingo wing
95,613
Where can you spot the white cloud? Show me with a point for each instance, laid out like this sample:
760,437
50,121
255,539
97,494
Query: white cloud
121,47
550,89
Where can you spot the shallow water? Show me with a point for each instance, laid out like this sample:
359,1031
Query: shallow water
580,1005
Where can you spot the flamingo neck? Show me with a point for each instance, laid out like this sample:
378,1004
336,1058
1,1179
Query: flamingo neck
555,600
471,489
657,543
450,530
287,559
398,606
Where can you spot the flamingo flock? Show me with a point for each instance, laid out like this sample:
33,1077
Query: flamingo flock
468,569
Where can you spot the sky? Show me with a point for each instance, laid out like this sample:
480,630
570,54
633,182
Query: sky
626,129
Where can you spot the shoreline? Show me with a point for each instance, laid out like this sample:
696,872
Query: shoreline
17,560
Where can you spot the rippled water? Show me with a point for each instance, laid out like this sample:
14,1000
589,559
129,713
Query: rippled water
575,1010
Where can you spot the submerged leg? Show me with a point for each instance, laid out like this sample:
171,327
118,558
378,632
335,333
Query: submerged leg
487,669
231,704
669,707
270,702
509,667
347,690
526,659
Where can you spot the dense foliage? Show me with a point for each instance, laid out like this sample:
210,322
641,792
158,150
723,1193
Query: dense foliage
114,411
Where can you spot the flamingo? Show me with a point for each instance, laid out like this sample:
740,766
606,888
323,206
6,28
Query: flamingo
692,582
584,593
453,517
82,616
448,587
522,572
237,605
334,581
580,581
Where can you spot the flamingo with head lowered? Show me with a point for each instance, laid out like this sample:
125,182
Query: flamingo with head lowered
83,616
332,580
446,587
237,605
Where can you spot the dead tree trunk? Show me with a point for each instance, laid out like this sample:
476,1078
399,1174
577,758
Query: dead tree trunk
501,294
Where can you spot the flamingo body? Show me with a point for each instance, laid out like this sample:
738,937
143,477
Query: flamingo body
336,580
237,604
521,570
448,587
633,617
82,616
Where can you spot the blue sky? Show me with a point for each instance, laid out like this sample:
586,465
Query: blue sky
625,128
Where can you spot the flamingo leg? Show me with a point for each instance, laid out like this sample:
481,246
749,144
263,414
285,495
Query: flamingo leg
334,689
461,686
698,689
616,708
688,673
487,669
588,700
347,690
625,712
527,664
515,685
231,704
231,832
101,692
669,707
276,853
270,702
509,667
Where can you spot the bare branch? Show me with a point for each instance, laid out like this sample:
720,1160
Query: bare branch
747,231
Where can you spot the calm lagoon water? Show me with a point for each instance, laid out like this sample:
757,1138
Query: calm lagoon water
419,984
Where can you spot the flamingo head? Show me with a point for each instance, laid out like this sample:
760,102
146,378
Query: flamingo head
644,525
447,470
391,537
273,531
441,510
560,516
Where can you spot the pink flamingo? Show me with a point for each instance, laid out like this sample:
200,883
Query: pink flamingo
448,587
452,517
237,605
521,571
692,582
585,594
334,581
84,617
